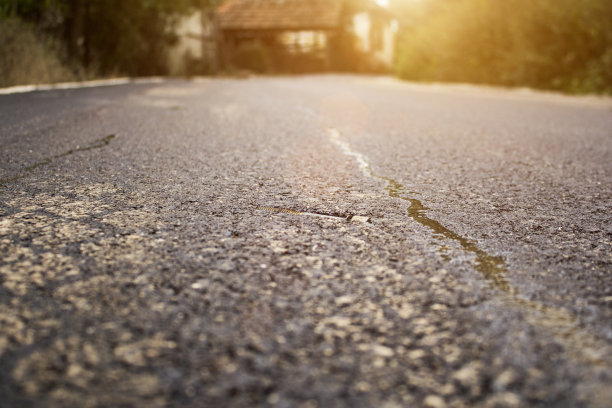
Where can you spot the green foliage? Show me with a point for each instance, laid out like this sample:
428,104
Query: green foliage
27,58
128,36
345,55
553,44
252,56
107,36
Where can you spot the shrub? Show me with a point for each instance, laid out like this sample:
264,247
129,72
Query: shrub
28,58
554,44
252,56
346,55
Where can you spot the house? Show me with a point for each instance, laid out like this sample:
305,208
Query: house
306,35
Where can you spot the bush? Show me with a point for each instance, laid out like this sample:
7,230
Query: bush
252,56
346,55
27,58
104,37
554,44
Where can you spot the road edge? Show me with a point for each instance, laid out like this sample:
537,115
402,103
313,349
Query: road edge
81,84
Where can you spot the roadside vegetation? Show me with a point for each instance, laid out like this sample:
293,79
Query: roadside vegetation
56,40
563,45
27,57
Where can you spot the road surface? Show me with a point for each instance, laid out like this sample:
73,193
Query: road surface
316,241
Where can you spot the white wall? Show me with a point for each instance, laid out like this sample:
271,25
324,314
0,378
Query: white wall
361,29
191,34
362,24
389,37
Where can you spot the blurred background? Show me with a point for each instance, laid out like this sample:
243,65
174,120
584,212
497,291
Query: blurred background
563,45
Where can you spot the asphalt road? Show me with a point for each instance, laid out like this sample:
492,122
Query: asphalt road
322,241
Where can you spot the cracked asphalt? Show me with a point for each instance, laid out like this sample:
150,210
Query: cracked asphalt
315,241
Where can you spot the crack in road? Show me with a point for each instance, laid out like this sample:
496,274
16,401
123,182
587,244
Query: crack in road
350,217
582,345
96,145
280,210
492,268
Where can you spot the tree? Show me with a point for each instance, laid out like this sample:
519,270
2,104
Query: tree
108,36
553,44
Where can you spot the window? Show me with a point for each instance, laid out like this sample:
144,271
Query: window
303,41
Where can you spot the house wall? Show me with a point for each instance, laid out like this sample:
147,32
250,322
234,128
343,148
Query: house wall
361,28
363,25
192,32
387,53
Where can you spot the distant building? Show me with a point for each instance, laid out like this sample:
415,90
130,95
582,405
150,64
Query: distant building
195,51
306,35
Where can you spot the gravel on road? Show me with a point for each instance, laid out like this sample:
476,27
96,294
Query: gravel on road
316,241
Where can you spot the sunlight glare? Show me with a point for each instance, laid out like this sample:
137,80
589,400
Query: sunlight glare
383,3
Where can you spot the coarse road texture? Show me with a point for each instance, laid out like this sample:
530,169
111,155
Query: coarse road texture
318,241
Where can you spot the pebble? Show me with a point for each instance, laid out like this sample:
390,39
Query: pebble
200,284
381,350
434,401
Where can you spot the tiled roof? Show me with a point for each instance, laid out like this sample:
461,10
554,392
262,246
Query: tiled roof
279,14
